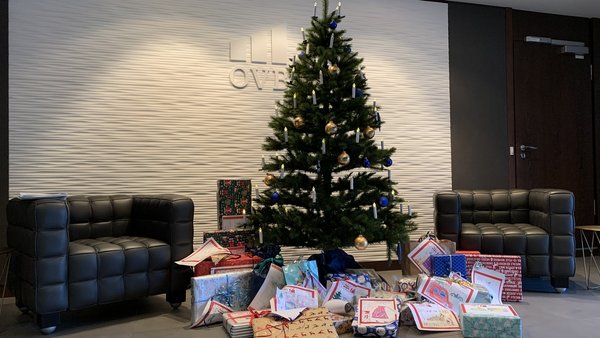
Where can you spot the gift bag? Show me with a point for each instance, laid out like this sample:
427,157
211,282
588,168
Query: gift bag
443,265
296,272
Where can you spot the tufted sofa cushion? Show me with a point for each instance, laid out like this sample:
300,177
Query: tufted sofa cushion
111,269
90,250
537,224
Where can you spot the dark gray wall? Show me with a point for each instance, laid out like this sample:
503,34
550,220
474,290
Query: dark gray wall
478,115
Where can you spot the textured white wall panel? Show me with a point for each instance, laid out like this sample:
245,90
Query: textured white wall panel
134,96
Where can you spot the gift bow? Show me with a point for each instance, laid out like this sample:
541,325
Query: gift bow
257,314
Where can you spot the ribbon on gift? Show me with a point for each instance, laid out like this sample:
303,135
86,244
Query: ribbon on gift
226,294
427,235
285,326
258,314
223,295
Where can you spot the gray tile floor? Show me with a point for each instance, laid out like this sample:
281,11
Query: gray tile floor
544,314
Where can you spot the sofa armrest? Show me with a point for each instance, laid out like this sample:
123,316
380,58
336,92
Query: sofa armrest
553,211
447,216
38,232
167,217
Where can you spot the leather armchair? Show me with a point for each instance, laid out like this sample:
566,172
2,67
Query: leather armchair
90,250
537,224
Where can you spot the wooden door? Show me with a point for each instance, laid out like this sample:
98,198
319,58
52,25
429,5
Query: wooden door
553,111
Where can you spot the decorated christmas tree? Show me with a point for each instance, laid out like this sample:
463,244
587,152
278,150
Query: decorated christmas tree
328,181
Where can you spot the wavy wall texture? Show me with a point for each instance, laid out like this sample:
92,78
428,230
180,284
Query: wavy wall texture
135,96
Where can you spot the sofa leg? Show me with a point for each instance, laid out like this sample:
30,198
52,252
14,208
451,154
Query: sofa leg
176,297
48,322
560,284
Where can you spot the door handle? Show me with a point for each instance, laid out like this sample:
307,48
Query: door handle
524,148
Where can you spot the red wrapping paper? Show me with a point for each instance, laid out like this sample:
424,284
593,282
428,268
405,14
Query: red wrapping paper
509,265
204,268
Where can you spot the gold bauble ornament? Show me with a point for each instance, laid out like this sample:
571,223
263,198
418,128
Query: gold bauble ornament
343,158
333,69
269,179
298,122
331,128
369,132
360,242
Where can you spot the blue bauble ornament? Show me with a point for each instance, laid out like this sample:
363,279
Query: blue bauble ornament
388,162
383,201
366,163
359,92
333,25
275,197
348,49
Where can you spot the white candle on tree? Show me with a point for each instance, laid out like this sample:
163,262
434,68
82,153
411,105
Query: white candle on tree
285,134
314,97
351,182
260,235
357,135
323,147
374,210
354,90
303,35
321,77
313,195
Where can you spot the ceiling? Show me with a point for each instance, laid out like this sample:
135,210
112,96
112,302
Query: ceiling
582,8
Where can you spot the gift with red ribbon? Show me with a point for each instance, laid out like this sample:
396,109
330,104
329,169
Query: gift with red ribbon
313,323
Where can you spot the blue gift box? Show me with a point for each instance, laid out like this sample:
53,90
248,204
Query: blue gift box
442,265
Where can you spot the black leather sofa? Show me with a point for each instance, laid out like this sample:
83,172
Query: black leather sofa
537,224
90,250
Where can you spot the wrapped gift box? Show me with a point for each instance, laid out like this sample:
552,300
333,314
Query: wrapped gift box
490,320
237,324
214,295
442,265
358,278
313,323
376,317
233,198
234,240
509,265
377,282
407,284
233,262
342,323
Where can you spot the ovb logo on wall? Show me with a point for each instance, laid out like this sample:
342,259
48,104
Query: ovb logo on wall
273,74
